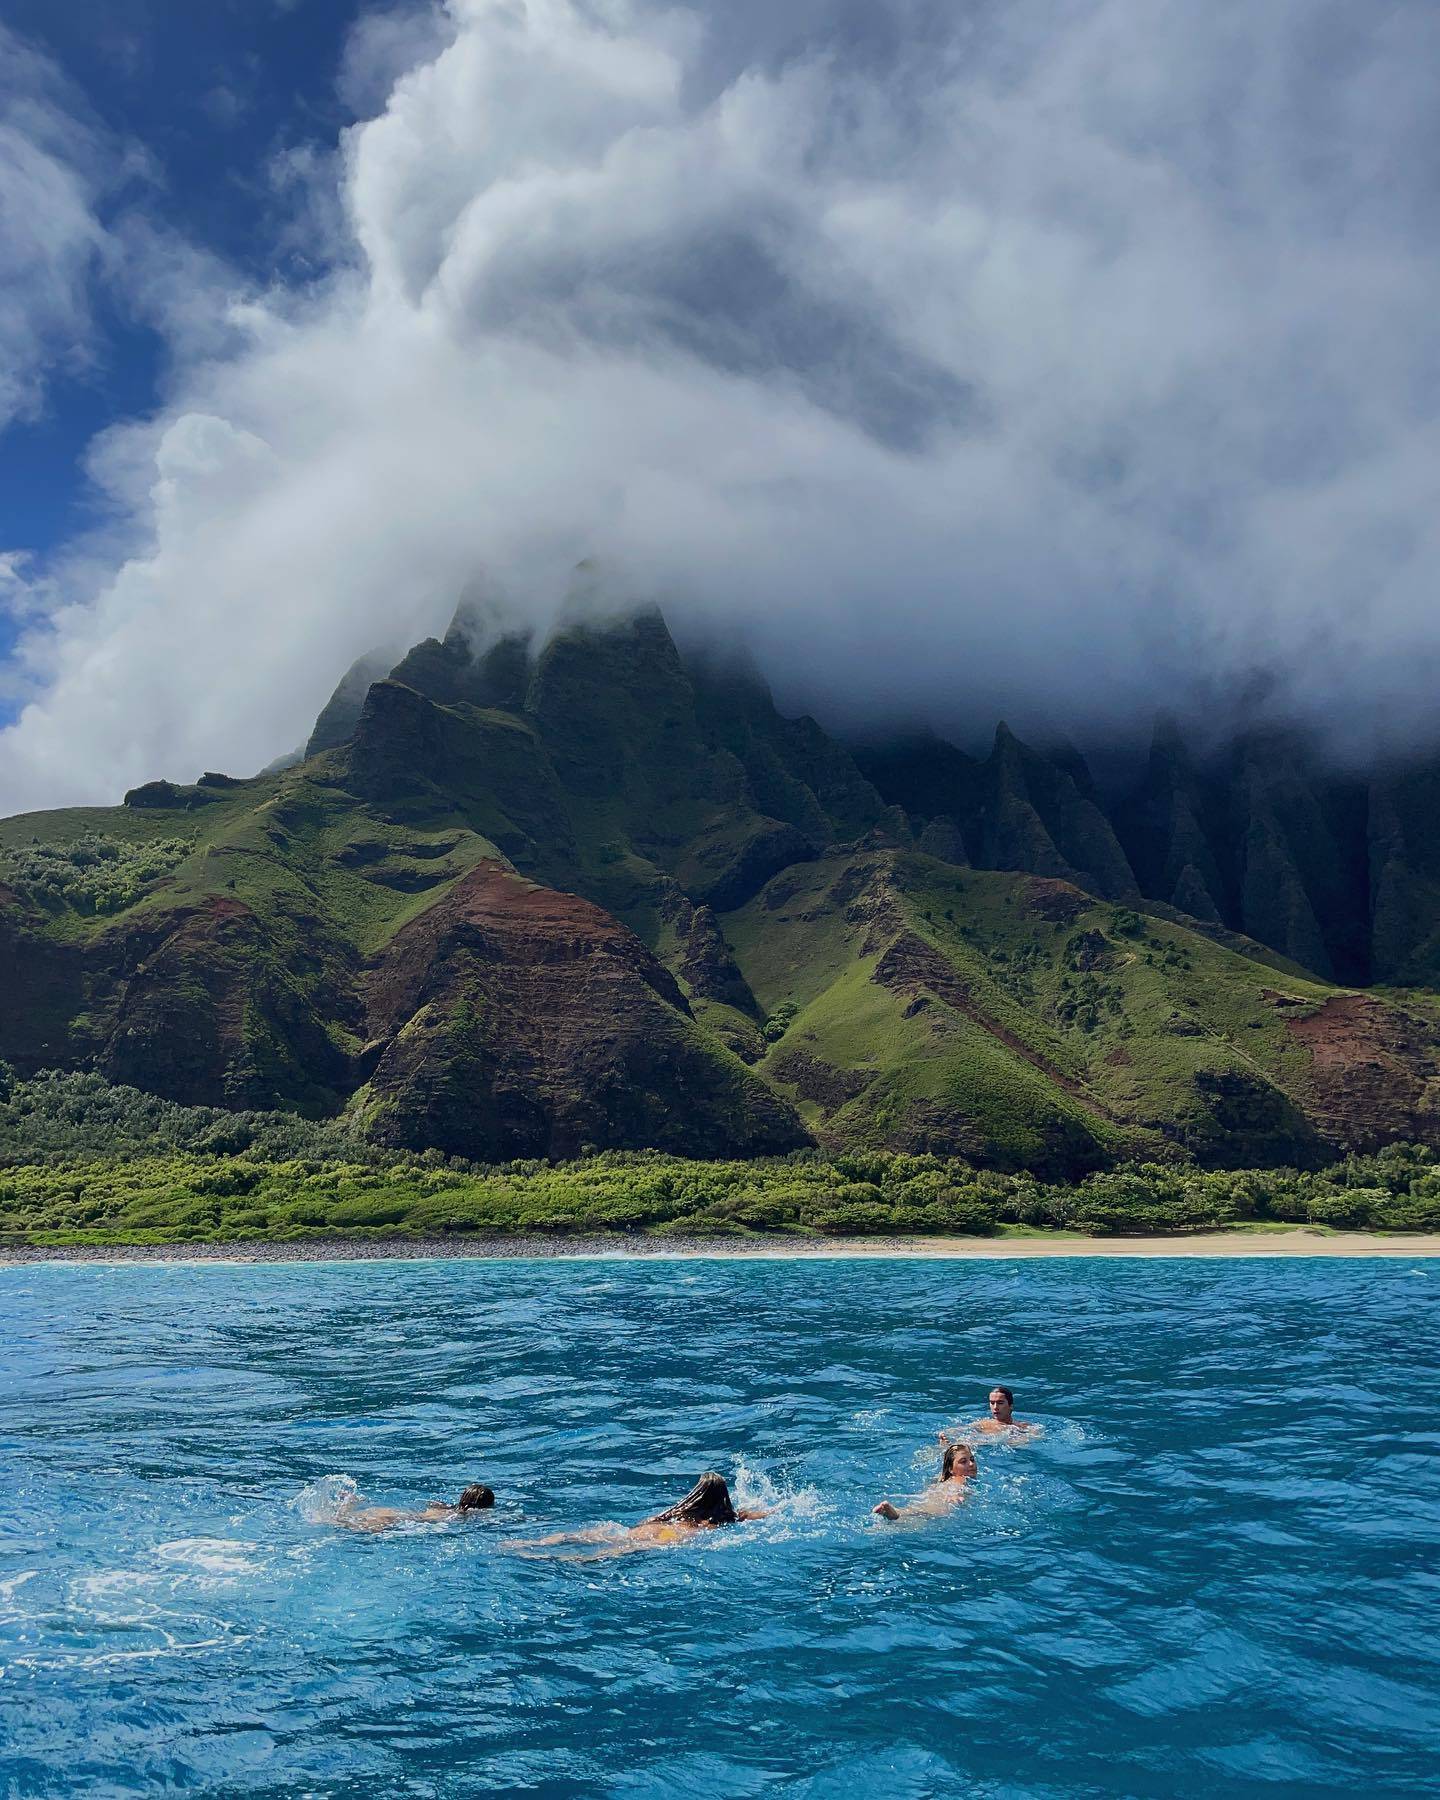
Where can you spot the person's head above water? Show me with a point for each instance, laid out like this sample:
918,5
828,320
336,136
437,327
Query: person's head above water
707,1503
475,1498
1002,1405
959,1459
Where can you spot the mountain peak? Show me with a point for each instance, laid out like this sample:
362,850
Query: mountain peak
341,712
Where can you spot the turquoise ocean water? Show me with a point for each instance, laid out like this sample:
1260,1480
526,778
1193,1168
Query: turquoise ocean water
1216,1572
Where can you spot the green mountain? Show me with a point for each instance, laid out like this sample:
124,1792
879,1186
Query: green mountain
519,900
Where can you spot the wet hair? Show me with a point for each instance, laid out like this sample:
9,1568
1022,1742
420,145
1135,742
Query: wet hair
947,1461
475,1497
1009,1397
707,1503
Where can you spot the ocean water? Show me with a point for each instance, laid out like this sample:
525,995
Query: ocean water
1216,1571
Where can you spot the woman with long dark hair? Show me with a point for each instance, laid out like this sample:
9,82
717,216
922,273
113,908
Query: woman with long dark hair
707,1506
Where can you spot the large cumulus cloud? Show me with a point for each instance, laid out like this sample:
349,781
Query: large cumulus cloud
1064,359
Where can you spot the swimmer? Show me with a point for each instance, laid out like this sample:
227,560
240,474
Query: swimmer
707,1506
958,1469
381,1518
1001,1417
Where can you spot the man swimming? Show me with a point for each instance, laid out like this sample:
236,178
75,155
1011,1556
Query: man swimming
958,1469
707,1506
1001,1417
476,1498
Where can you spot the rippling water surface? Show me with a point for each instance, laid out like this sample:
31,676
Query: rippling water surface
1215,1572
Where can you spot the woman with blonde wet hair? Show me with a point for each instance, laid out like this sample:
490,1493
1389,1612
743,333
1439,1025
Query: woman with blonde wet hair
958,1469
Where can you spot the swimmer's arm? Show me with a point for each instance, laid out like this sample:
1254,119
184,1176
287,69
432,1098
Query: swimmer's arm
590,1534
929,1505
604,1550
912,1509
755,1512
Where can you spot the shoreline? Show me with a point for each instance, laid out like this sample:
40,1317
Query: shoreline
1298,1242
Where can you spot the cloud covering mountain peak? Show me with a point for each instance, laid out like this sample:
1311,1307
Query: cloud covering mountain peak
1054,361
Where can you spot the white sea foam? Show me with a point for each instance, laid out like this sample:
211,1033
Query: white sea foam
211,1556
169,1646
9,1585
323,1501
103,1588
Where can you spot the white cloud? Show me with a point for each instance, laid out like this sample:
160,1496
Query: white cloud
385,44
50,236
1060,360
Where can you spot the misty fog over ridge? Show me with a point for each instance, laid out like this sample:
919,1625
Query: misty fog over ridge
964,361
863,712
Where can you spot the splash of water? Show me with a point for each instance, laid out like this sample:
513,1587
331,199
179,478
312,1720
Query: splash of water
753,1490
325,1499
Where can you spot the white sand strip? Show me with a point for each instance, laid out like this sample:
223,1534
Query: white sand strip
1299,1242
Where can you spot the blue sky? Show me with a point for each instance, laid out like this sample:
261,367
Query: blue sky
968,358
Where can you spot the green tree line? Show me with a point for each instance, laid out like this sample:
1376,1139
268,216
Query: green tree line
82,1162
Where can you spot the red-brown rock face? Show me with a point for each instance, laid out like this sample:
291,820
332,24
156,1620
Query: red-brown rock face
1374,1073
202,1003
511,1020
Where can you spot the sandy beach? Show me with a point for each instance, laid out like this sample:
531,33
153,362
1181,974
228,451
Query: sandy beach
1299,1242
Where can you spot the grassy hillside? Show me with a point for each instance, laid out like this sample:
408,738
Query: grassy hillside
1016,1019
208,947
293,840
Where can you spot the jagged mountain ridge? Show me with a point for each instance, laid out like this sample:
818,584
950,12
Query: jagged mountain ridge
1334,871
516,900
1337,873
